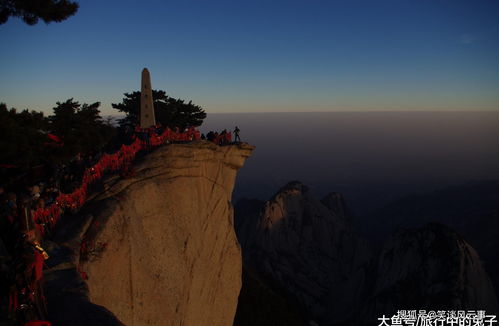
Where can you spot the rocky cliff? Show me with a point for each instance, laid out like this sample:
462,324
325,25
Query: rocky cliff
471,209
308,247
160,246
430,268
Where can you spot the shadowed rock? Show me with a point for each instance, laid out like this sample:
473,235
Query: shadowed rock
307,248
430,268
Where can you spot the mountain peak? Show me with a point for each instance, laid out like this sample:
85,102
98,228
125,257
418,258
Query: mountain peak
294,234
432,266
294,188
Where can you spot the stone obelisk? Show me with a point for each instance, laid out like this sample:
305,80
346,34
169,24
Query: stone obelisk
147,118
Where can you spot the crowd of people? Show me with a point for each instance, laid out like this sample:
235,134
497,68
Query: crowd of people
30,214
157,134
222,138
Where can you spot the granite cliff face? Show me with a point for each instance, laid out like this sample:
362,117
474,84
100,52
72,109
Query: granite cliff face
161,245
307,247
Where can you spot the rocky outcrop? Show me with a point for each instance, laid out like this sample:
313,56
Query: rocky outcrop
161,244
307,247
471,209
429,268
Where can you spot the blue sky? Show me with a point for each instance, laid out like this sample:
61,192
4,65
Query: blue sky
261,56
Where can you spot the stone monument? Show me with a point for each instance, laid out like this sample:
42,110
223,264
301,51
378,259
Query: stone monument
147,118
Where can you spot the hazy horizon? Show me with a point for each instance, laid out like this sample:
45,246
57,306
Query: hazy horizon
370,157
119,114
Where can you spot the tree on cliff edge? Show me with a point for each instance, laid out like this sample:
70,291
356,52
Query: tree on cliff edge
169,111
20,138
32,10
25,136
80,127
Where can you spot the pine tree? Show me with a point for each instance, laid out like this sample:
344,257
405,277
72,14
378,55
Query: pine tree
21,137
169,111
32,10
80,127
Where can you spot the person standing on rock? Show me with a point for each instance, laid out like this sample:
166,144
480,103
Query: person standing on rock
236,135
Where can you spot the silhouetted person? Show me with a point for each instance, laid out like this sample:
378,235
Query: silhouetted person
236,135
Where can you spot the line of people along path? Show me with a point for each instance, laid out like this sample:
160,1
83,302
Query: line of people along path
35,219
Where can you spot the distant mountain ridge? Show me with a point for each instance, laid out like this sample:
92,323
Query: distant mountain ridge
471,209
306,247
430,268
311,249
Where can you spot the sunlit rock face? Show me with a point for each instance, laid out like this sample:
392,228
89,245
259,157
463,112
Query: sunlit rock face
169,251
430,268
308,247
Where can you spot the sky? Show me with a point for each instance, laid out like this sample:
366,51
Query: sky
261,56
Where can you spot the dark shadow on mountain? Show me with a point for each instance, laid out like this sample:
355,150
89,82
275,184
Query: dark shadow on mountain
310,248
471,209
262,302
